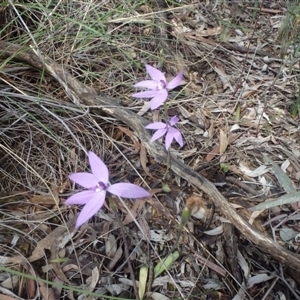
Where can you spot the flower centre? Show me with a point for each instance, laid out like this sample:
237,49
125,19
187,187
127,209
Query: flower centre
161,85
101,186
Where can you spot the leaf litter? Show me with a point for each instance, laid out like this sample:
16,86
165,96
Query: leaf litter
228,66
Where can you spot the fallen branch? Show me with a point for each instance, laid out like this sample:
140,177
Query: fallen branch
82,94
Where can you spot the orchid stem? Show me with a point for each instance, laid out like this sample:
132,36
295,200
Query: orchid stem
127,255
168,163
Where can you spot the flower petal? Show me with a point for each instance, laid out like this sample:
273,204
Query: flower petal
174,120
155,74
169,139
98,167
81,197
158,134
149,84
175,82
86,180
145,94
160,97
91,208
127,190
176,135
156,125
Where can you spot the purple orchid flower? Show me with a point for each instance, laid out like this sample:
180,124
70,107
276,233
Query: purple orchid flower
158,87
168,129
97,184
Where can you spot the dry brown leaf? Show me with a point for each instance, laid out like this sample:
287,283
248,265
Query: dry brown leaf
47,243
42,200
144,226
92,281
5,297
184,112
11,282
130,134
207,32
63,186
249,91
47,292
144,108
219,69
69,267
52,242
202,116
181,29
223,141
266,10
110,245
158,208
144,160
211,265
211,155
115,259
137,206
254,215
15,260
30,288
216,150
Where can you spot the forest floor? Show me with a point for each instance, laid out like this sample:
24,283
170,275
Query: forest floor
67,77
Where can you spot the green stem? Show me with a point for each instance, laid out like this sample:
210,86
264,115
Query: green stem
58,285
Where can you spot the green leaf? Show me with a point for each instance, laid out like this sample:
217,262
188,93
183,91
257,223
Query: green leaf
238,113
166,188
283,179
285,199
59,260
166,263
224,168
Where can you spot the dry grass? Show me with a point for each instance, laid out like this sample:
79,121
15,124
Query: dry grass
238,103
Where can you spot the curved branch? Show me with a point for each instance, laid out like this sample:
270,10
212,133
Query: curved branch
83,94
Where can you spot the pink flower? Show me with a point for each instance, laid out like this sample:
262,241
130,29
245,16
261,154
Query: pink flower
168,129
97,184
158,87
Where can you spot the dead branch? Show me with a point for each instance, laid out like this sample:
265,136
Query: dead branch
82,94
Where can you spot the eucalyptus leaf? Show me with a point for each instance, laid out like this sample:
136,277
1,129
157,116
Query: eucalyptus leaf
285,199
143,281
166,263
287,234
282,178
59,260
